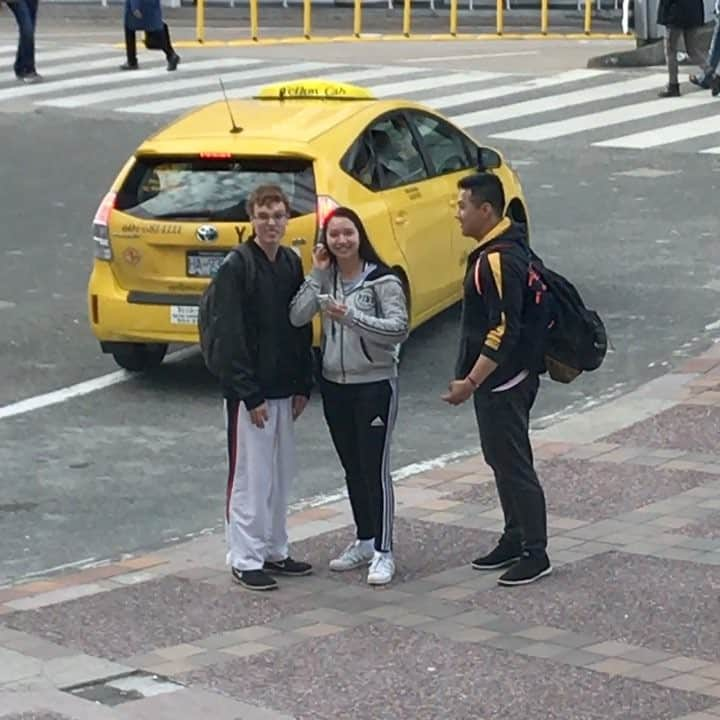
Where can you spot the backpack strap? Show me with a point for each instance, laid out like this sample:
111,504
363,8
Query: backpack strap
484,254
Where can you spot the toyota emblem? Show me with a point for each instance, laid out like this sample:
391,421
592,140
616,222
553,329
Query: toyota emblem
207,233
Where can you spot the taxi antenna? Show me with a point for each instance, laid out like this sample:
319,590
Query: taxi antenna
235,128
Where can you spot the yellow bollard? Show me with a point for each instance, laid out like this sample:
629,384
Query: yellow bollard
200,21
588,16
254,19
544,17
307,18
406,18
500,17
357,19
453,17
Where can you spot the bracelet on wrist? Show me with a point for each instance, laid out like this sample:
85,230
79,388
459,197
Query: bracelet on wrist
472,382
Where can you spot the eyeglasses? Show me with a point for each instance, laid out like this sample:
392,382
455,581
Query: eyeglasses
266,217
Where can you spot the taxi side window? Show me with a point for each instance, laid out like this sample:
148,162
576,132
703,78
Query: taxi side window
387,156
447,149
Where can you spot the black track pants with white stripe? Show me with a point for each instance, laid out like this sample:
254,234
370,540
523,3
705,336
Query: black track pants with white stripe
361,418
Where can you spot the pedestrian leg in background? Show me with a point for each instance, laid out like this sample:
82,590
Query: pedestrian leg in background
672,35
25,12
695,47
708,79
173,59
130,51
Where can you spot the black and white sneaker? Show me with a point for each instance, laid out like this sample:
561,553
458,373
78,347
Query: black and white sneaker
288,566
528,570
254,579
506,553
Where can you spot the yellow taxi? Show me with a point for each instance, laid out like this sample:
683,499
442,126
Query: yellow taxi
178,205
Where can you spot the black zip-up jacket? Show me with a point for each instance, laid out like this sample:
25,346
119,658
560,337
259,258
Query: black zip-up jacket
267,357
492,321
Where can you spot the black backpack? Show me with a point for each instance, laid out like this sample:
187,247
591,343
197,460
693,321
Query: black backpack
572,338
210,343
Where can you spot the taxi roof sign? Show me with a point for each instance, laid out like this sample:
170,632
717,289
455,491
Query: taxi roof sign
314,89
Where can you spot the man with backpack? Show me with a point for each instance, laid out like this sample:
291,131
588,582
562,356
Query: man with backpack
265,369
499,362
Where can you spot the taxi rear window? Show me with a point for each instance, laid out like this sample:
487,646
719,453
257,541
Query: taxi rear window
212,189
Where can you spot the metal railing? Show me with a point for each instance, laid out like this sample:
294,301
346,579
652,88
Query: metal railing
502,6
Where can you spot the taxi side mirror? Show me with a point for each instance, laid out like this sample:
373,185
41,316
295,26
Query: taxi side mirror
488,159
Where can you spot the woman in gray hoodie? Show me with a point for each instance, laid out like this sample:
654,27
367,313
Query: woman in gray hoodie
364,320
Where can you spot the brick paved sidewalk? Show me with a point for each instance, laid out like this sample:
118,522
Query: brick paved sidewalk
626,628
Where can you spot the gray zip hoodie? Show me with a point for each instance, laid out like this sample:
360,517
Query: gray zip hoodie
363,346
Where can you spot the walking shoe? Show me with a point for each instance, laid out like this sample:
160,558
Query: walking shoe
699,82
382,569
506,553
173,62
129,66
672,90
254,579
29,78
528,570
355,555
715,85
288,566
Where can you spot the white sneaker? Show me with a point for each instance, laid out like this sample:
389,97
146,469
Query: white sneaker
355,555
382,569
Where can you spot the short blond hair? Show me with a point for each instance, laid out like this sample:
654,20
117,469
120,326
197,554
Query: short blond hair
266,195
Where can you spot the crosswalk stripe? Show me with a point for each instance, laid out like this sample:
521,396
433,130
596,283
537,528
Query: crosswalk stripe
402,88
445,101
174,104
156,88
604,118
558,102
115,79
711,151
79,67
76,52
371,73
665,135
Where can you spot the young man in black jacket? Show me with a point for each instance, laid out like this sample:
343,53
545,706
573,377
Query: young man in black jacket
266,376
496,365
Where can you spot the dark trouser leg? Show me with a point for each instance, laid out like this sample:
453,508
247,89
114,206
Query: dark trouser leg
503,421
338,406
25,58
694,47
672,35
167,47
130,47
375,415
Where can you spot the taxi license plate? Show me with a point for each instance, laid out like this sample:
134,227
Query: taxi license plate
204,263
183,314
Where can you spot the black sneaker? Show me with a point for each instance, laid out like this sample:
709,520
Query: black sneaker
528,570
129,66
288,566
173,62
504,554
254,579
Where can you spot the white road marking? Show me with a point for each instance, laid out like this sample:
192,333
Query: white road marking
441,58
665,135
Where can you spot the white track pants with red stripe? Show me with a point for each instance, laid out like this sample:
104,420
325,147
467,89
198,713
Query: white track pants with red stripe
262,466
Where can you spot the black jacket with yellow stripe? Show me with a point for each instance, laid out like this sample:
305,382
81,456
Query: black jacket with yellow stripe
495,295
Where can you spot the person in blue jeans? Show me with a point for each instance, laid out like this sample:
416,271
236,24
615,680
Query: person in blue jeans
25,12
709,79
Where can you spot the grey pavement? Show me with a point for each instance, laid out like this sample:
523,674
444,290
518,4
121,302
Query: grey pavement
625,626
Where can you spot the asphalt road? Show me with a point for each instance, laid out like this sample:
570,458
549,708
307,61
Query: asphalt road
142,463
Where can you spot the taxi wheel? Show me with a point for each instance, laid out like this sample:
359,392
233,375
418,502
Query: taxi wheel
137,357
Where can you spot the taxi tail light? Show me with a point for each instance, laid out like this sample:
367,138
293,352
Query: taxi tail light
101,236
325,206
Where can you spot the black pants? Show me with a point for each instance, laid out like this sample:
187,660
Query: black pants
161,40
503,421
361,418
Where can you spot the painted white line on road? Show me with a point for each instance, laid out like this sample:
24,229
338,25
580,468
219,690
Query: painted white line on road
441,58
558,102
506,89
400,89
666,135
605,118
118,78
181,103
711,151
79,389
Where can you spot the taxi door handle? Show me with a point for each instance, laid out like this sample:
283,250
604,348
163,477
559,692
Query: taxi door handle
401,218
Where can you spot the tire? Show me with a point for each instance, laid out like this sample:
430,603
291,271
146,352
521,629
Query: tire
137,357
